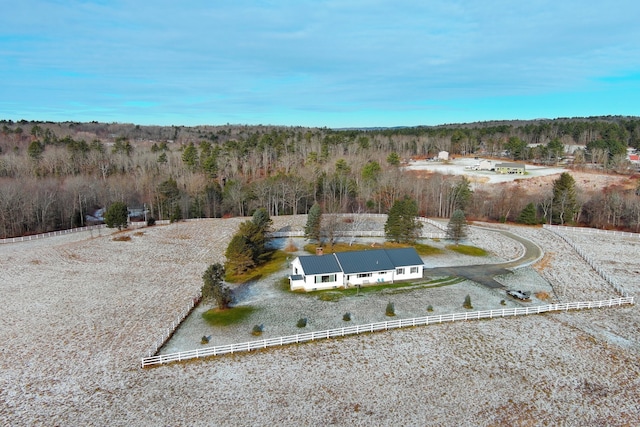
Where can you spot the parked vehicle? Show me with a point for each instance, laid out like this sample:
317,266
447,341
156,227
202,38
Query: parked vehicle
521,295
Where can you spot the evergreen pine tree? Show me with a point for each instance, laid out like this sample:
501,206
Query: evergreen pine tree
248,247
190,156
402,224
214,288
564,206
117,215
462,193
240,257
176,214
457,227
314,219
528,215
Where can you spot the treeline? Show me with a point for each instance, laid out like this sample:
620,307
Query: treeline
53,174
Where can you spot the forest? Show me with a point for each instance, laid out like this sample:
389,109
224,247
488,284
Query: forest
52,175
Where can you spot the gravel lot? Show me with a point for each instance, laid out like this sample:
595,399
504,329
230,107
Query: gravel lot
79,311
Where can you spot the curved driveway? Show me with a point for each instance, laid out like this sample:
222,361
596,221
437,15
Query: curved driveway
485,273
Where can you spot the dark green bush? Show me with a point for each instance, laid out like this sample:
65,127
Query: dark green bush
467,303
391,310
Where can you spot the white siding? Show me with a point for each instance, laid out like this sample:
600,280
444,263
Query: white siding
372,278
408,274
310,283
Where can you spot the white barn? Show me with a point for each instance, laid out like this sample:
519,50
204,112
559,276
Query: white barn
346,269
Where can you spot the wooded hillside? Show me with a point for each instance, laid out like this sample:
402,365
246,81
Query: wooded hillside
53,174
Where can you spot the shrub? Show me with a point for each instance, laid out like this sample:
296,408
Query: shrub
502,302
429,308
205,339
391,310
346,317
257,330
176,214
542,296
302,322
467,302
151,221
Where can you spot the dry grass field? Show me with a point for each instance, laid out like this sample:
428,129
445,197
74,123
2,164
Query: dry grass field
77,313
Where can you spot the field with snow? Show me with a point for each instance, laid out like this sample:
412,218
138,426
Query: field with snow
79,311
464,166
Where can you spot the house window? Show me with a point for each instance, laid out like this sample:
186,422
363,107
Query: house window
327,278
363,275
399,270
382,273
414,270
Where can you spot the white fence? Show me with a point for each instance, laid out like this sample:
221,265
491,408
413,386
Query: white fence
586,230
131,225
379,326
51,234
169,331
368,233
434,223
555,229
139,224
375,233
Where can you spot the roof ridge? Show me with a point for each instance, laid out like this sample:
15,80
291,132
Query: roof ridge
338,261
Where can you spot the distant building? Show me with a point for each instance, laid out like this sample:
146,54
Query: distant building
482,165
443,155
360,268
510,168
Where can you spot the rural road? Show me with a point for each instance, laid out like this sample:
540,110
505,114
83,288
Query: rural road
485,273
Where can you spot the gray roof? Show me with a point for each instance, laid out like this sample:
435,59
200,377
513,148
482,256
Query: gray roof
319,264
511,165
404,257
360,261
365,261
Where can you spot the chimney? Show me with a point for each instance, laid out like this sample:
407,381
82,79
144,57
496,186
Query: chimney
319,250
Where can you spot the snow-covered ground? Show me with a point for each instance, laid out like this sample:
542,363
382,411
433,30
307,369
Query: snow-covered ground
77,313
464,166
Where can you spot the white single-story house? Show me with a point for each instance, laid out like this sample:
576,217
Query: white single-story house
361,268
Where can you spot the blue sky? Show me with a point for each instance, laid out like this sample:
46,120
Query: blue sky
318,63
